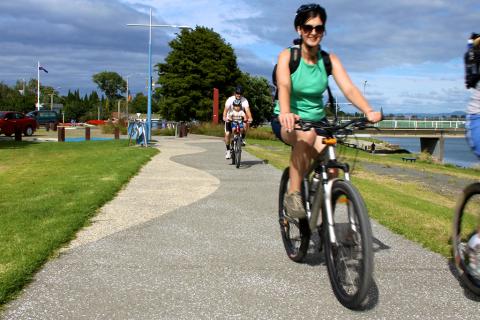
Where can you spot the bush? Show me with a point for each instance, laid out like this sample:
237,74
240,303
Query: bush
209,129
109,128
163,132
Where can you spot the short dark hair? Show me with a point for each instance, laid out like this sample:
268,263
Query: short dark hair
308,11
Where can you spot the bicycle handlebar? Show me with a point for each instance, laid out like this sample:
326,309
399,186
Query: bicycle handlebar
332,129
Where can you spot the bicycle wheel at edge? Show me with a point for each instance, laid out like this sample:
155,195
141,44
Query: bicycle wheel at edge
238,153
295,232
461,234
350,260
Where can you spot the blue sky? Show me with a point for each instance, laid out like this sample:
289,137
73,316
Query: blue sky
409,52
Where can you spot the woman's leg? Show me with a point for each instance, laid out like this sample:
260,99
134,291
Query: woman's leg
302,143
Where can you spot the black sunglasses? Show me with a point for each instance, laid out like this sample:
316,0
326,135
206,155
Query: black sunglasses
319,28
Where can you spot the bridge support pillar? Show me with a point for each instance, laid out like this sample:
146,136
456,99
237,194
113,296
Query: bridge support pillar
433,146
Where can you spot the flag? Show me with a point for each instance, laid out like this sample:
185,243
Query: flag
42,68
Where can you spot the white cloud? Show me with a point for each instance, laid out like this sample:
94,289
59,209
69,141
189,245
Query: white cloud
410,52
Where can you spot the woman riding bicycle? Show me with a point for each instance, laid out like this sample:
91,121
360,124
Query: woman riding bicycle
300,95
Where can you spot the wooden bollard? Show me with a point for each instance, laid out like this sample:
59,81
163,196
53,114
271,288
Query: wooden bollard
18,134
87,133
117,133
61,134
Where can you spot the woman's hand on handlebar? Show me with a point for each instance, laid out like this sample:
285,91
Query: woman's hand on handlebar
287,120
374,116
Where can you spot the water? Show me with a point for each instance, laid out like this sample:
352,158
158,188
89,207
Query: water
78,139
457,151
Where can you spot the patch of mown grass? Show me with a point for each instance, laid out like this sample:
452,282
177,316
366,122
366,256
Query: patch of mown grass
48,192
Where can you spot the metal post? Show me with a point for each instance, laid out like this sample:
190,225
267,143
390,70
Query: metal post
126,102
148,123
38,85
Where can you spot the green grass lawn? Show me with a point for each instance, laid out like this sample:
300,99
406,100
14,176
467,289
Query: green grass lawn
48,191
409,209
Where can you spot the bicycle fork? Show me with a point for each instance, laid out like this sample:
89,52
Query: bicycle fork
325,201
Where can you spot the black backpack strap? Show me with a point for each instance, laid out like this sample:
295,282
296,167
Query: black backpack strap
328,68
295,55
327,62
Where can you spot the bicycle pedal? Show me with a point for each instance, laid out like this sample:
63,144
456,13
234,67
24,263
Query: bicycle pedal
283,222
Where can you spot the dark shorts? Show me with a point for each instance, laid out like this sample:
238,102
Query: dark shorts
276,127
228,127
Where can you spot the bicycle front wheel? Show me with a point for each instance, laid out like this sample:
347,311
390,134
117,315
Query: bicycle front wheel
348,249
465,224
238,153
232,150
295,232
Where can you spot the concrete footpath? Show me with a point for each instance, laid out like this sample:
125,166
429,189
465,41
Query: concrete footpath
192,237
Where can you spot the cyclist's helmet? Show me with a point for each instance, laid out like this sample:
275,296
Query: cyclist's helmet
237,103
239,89
307,11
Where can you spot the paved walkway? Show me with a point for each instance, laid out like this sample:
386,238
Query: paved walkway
192,237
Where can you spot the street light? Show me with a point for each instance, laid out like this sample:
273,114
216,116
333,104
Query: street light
51,98
150,25
364,85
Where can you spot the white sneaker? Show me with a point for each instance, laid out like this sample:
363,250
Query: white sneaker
227,154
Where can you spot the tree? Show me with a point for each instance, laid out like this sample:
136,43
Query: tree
138,104
258,93
200,60
111,83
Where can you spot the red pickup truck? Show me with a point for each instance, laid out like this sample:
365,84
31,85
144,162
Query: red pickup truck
11,121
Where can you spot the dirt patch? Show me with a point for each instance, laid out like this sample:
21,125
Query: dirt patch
440,183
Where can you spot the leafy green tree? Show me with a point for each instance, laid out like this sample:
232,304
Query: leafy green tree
111,83
199,61
138,104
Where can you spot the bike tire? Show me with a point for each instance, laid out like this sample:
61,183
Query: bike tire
238,154
232,151
461,233
295,232
350,259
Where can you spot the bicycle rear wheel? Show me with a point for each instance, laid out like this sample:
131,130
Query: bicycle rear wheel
350,255
465,225
238,153
295,232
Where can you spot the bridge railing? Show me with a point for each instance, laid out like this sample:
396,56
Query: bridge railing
420,124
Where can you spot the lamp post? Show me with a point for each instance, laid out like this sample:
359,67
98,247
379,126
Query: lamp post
149,103
51,98
364,85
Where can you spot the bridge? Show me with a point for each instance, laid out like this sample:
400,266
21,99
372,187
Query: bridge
432,133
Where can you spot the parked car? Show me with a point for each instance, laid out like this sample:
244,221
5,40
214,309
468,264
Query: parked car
47,118
11,121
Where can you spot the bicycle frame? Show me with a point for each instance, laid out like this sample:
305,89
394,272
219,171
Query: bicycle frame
236,132
322,198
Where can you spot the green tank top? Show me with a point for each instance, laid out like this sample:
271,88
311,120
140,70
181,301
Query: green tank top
309,82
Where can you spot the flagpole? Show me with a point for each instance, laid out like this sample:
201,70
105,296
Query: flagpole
38,86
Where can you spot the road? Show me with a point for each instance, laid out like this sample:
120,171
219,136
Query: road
192,237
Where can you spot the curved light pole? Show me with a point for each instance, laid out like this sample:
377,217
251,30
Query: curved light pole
364,85
150,26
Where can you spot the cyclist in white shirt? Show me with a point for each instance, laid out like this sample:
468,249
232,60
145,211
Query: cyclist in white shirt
228,108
